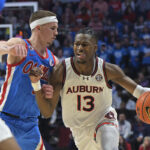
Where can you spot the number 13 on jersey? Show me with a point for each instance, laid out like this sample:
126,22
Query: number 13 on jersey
85,103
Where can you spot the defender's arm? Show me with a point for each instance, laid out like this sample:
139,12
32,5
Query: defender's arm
15,48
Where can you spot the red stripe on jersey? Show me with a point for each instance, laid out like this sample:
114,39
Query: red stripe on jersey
104,123
96,67
5,85
38,52
73,67
42,145
64,72
54,58
20,62
105,75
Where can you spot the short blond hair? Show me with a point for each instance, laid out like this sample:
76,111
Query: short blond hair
40,14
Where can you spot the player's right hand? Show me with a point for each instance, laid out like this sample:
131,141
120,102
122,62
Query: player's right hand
35,74
18,50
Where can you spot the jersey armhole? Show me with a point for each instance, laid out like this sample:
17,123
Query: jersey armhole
64,73
105,76
53,58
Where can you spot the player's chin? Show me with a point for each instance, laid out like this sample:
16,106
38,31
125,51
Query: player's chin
49,44
80,61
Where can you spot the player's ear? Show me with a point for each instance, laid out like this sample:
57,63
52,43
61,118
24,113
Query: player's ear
38,27
96,47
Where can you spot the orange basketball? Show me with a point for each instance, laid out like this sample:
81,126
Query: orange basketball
143,107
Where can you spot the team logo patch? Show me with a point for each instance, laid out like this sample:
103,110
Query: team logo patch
51,63
98,77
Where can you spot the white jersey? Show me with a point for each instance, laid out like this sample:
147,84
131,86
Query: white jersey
5,132
85,99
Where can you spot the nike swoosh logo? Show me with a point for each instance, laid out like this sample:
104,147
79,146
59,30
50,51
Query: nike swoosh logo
148,111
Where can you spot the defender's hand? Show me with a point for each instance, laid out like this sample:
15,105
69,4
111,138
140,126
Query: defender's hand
47,90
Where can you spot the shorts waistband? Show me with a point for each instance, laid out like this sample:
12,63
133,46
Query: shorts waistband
11,115
18,117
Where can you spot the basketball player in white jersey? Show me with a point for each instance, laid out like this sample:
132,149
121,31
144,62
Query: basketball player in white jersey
86,95
7,141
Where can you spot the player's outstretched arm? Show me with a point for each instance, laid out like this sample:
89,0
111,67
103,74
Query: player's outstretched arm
116,74
15,48
48,96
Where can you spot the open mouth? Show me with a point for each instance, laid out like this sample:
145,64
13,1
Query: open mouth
81,56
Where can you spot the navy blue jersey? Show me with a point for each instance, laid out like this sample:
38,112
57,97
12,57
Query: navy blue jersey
17,96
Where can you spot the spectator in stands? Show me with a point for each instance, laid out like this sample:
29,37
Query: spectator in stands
146,53
85,3
68,17
67,47
127,3
135,56
129,15
124,127
117,91
105,53
123,144
96,24
142,6
102,6
118,54
139,131
115,9
83,16
139,24
146,144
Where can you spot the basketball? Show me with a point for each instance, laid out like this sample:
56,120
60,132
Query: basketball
143,107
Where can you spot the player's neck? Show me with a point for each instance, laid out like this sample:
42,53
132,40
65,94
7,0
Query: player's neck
38,46
86,68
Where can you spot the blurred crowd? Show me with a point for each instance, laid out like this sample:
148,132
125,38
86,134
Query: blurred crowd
123,28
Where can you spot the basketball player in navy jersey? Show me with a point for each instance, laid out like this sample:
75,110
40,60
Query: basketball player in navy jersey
86,95
18,107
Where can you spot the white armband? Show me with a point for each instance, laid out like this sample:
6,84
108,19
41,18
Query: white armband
36,86
139,90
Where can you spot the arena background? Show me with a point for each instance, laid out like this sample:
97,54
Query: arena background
123,28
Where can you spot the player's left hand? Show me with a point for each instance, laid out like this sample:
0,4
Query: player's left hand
48,90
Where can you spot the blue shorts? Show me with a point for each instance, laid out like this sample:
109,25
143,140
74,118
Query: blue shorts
26,132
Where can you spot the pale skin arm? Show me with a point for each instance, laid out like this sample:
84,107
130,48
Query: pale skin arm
48,104
15,48
116,75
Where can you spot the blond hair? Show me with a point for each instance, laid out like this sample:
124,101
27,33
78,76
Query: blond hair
40,14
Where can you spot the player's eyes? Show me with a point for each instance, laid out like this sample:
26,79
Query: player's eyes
53,28
84,45
77,44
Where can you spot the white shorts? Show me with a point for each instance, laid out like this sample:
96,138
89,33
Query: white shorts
102,136
5,132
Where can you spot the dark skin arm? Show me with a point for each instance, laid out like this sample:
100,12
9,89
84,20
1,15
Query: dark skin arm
8,144
47,105
116,75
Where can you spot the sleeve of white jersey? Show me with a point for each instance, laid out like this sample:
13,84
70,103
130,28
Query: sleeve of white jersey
5,132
